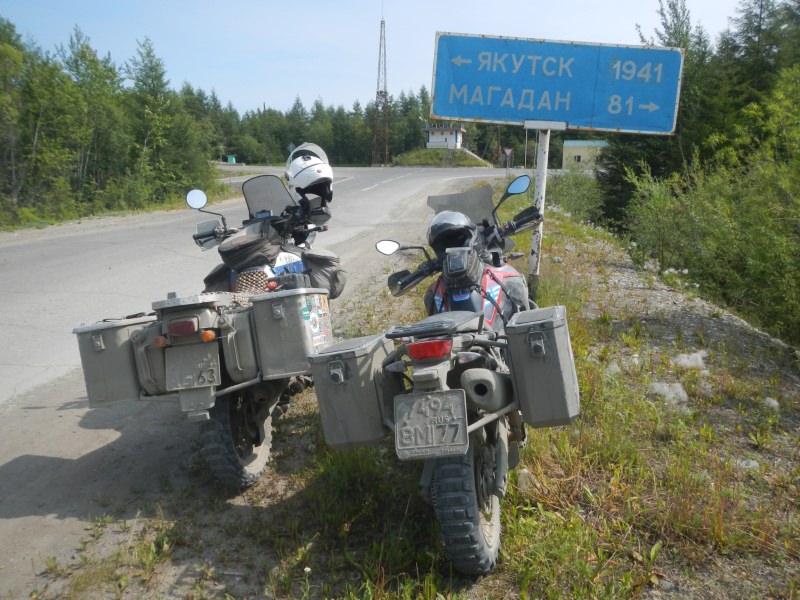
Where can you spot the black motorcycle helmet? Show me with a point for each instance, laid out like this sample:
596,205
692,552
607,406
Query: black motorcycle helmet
321,188
450,229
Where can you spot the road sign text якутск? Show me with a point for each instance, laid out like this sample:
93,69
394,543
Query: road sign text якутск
632,89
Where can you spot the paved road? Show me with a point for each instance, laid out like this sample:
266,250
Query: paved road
61,277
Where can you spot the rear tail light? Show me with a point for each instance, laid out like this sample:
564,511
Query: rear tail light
430,349
182,327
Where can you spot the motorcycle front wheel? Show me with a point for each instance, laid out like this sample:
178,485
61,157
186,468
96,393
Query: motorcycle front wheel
467,506
234,447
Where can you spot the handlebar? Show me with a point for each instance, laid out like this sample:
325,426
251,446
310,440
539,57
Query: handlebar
526,217
427,268
310,229
216,233
402,281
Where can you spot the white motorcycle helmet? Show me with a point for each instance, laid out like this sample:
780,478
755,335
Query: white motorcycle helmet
308,172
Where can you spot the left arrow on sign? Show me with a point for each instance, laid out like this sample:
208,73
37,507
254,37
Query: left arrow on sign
458,60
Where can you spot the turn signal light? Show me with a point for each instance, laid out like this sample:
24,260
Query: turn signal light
160,342
398,366
208,335
430,349
465,358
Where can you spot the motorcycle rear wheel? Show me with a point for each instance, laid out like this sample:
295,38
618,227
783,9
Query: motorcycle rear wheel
230,438
468,508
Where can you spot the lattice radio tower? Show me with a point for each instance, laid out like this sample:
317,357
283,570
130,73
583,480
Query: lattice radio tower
380,128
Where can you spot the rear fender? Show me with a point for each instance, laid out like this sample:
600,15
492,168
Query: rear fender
196,402
430,376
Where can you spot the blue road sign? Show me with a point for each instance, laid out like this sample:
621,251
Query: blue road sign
632,89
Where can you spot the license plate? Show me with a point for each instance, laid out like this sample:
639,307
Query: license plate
192,366
431,424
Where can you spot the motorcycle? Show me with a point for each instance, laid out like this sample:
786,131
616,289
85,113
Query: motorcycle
457,388
233,355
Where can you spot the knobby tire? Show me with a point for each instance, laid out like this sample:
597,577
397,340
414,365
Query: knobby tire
230,468
469,524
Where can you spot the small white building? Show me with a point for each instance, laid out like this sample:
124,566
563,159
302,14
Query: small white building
581,154
444,135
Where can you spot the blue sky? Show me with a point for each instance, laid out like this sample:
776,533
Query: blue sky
255,53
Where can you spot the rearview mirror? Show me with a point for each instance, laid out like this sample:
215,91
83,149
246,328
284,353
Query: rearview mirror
519,185
196,199
387,247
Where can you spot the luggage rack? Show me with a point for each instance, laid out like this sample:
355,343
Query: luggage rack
211,299
441,324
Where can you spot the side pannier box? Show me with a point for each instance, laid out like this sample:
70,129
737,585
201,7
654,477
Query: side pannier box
150,359
238,345
542,366
346,379
107,359
290,326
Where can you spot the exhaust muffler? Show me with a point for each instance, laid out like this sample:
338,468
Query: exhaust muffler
487,389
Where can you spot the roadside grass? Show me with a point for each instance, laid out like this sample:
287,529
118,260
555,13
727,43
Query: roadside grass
636,495
637,486
28,220
436,158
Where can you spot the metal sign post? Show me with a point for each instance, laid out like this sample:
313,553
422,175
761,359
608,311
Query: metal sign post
540,191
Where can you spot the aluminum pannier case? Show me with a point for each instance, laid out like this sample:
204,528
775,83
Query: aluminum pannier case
290,326
150,359
543,367
238,345
106,350
346,379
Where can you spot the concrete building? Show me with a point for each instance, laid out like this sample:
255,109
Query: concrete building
444,135
581,154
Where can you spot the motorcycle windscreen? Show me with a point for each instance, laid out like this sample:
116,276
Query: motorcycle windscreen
266,195
476,204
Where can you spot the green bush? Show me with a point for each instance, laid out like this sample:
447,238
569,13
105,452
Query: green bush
735,225
577,193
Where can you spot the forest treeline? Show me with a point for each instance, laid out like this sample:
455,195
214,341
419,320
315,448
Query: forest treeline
718,203
720,200
82,135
